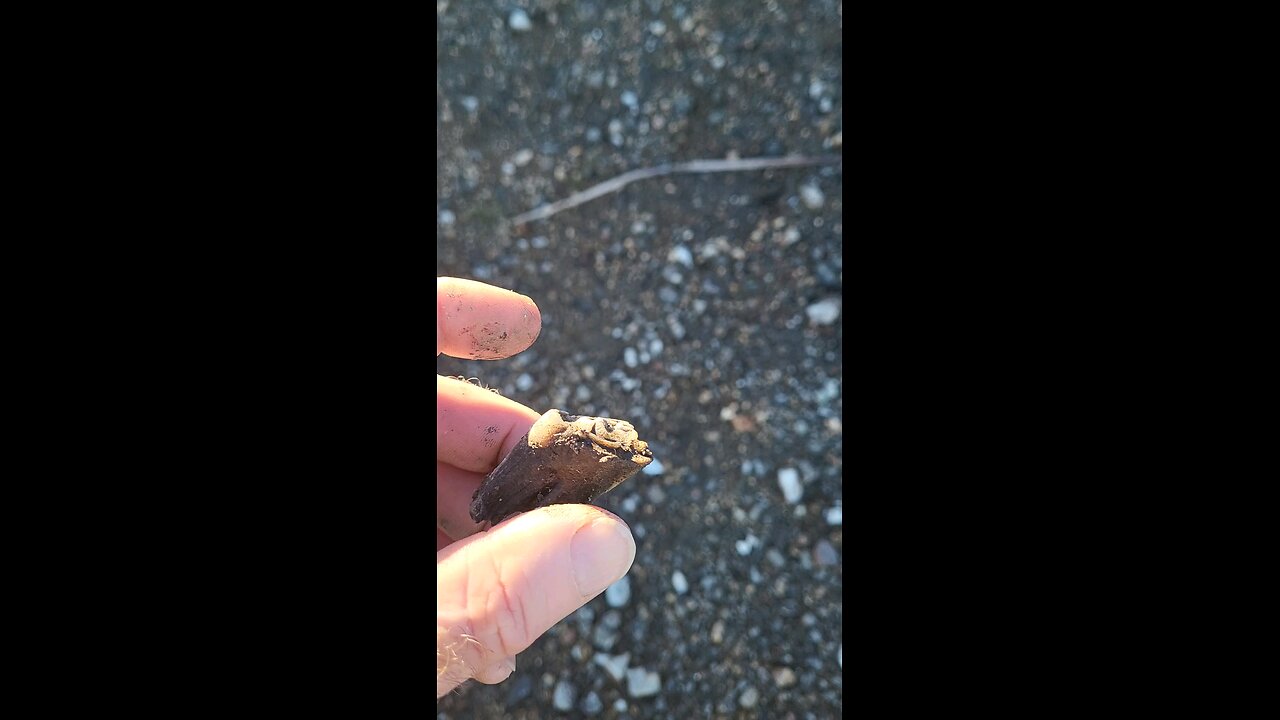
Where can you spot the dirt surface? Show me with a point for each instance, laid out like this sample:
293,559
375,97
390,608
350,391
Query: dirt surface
704,309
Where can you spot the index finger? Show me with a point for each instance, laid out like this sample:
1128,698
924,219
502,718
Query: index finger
483,322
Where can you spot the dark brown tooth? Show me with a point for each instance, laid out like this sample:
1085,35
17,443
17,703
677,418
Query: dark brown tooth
562,459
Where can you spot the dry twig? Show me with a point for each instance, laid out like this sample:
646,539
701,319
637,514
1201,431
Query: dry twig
694,166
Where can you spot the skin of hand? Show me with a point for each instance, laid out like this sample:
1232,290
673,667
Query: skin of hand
498,590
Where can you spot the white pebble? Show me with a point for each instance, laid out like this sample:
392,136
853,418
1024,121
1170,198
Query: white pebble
519,21
749,698
630,100
654,468
816,89
470,103
657,27
655,346
522,157
680,254
620,705
642,683
679,583
834,515
563,698
630,358
615,665
812,197
524,382
824,312
447,218
619,593
789,481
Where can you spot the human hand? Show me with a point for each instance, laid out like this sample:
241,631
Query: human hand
498,590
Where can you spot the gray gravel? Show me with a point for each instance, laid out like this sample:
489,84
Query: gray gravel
705,309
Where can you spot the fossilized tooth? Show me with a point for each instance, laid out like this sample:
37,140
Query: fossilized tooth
562,459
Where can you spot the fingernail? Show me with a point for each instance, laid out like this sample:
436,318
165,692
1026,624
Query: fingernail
602,552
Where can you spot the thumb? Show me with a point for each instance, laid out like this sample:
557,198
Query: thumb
498,591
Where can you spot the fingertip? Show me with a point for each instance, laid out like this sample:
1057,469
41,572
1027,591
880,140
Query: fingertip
483,322
602,551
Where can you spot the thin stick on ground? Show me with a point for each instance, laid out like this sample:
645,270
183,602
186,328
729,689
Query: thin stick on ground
693,166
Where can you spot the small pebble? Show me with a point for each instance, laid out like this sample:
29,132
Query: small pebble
620,705
470,103
825,554
654,468
642,683
679,583
521,688
630,100
619,593
630,358
812,197
824,312
615,665
717,632
519,21
789,481
680,254
563,697
749,697
834,515
522,157
524,382
784,677
591,704
604,637
446,218
775,558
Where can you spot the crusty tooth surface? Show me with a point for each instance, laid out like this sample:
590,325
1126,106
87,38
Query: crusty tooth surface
563,458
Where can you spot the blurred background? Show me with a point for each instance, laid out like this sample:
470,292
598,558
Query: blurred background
705,309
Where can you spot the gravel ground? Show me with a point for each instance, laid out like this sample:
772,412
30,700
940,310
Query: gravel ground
705,309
